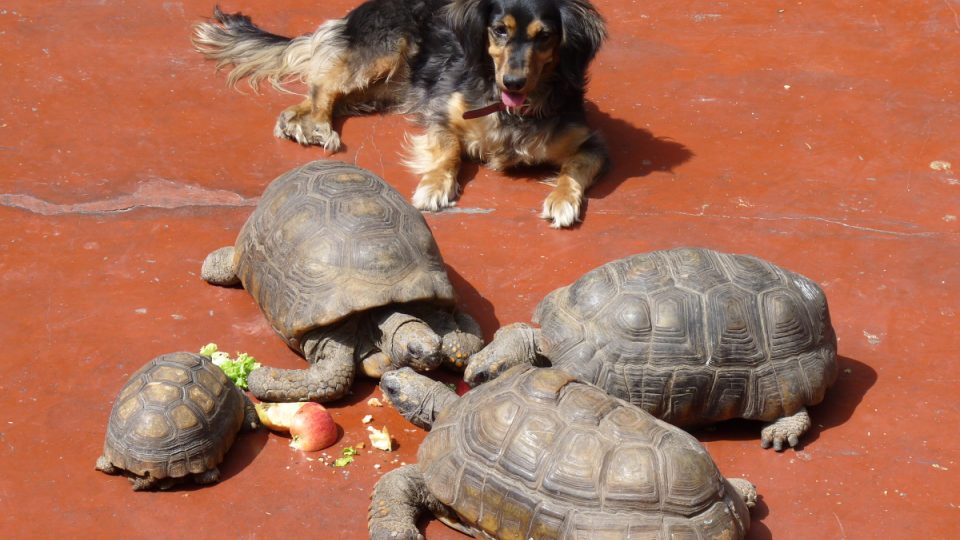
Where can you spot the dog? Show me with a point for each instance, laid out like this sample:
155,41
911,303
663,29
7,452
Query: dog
498,81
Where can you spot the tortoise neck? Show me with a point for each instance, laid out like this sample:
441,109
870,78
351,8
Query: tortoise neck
436,397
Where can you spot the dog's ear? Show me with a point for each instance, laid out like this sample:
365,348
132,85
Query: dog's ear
468,21
583,34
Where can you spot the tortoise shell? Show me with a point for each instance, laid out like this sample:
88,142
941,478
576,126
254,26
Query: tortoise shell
328,240
537,454
695,336
178,415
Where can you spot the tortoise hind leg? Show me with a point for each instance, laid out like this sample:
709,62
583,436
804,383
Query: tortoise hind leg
745,490
147,483
331,352
210,476
787,428
397,500
104,465
220,268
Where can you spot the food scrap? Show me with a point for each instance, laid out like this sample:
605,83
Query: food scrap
347,458
374,402
380,438
367,419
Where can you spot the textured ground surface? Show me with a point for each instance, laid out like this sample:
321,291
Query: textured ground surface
817,135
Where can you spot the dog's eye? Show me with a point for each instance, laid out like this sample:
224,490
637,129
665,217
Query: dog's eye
499,30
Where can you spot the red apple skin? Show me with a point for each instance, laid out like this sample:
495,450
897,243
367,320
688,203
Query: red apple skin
312,428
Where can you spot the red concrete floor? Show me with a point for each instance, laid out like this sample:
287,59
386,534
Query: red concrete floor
813,134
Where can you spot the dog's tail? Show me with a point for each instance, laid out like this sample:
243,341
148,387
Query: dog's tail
258,55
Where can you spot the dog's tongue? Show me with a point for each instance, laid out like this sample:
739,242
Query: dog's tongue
511,99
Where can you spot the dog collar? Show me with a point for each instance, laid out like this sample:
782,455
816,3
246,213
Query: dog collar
484,111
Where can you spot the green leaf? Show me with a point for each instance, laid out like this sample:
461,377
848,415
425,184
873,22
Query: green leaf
343,461
235,369
350,451
208,349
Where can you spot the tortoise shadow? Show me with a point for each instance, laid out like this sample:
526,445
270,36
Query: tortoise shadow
245,449
759,531
471,302
854,380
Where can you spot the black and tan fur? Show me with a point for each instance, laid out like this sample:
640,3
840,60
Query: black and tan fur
438,59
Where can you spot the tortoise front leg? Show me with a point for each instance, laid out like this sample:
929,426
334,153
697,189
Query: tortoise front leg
330,350
460,335
514,344
786,429
251,420
397,500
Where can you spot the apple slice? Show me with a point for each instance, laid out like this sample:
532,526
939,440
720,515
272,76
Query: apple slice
278,416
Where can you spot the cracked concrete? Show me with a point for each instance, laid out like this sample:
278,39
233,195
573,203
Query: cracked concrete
157,193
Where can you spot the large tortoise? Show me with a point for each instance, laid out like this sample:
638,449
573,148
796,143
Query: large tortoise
174,420
345,270
691,335
538,454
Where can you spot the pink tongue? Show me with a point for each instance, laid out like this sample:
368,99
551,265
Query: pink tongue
511,99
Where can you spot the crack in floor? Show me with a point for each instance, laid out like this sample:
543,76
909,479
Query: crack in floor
158,193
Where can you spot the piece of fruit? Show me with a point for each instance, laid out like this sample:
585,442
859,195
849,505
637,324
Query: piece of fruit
278,416
380,438
312,428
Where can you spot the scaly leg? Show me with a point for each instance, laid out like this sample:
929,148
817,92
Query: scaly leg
787,428
330,350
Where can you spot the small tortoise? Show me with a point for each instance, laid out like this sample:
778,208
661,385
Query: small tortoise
692,336
538,454
175,418
345,270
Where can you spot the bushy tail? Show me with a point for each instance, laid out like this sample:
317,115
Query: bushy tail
254,53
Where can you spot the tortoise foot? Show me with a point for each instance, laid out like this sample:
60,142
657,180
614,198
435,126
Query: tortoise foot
787,429
745,490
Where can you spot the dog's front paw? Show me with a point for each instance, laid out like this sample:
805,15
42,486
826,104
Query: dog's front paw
562,207
433,196
306,131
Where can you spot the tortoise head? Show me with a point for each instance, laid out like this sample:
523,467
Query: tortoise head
416,397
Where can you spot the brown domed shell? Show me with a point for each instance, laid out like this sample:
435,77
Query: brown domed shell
330,239
694,336
177,415
535,453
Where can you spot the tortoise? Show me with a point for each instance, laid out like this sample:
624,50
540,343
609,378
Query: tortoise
691,335
345,270
174,420
539,454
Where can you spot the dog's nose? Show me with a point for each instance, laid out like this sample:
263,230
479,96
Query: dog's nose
514,83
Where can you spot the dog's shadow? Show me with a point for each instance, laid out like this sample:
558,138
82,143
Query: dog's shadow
634,152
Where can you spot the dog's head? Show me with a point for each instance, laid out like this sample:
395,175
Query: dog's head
524,42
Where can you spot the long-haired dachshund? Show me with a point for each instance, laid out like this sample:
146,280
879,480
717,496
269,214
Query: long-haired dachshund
500,81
